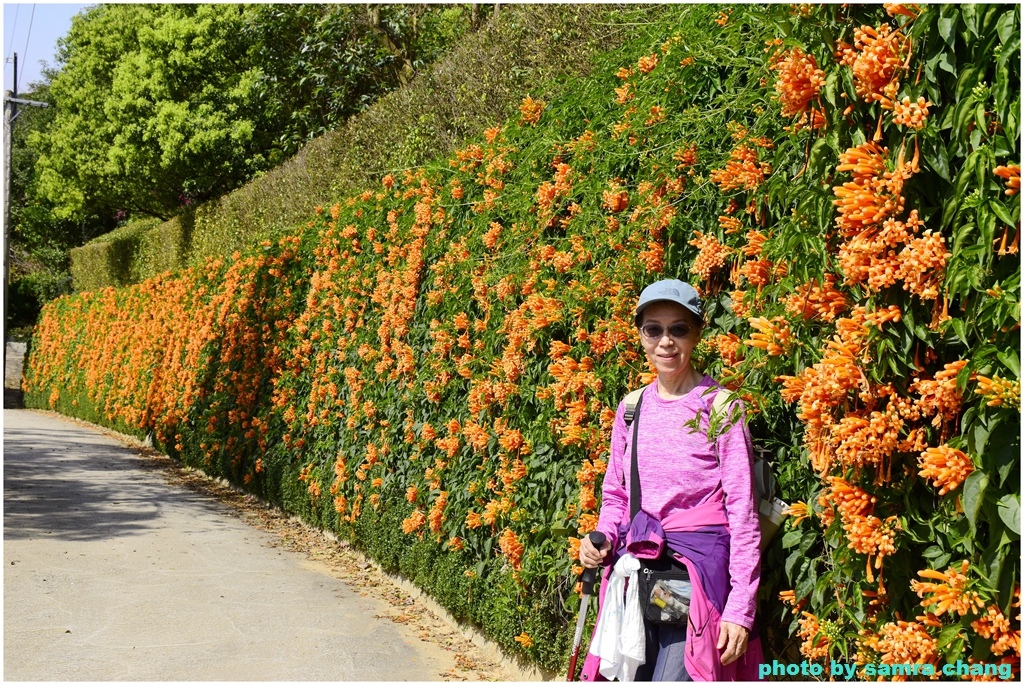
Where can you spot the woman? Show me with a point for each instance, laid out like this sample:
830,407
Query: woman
684,476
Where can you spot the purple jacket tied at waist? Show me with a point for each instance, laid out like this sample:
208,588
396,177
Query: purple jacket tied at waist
699,539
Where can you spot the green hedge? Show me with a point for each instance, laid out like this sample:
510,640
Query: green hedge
526,49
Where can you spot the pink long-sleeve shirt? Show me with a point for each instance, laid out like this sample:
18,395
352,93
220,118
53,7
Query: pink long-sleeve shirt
679,470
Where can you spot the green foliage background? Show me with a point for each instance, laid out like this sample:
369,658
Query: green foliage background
323,371
479,83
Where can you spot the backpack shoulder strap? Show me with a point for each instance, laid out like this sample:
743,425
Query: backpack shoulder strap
764,479
631,401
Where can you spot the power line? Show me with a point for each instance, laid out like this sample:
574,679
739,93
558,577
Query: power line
14,30
31,19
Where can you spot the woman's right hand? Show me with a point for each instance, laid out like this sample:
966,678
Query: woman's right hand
590,556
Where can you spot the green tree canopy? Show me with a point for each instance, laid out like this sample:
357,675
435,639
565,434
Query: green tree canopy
159,106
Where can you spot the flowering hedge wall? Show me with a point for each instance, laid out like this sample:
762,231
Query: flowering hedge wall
455,98
431,367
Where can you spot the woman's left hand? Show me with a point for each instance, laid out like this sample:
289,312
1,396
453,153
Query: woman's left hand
733,639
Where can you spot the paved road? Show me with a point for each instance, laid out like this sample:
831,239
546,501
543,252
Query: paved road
110,573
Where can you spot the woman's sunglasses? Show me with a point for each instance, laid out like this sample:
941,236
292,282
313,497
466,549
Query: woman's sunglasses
653,331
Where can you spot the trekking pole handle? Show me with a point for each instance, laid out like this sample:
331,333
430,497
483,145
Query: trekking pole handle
590,575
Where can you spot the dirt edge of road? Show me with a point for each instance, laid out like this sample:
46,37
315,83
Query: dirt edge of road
477,657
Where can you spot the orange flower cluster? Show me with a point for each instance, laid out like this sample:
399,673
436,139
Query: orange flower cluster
922,265
875,193
894,9
774,336
615,199
950,593
572,382
902,642
686,157
999,391
994,626
413,522
877,58
798,511
873,256
624,93
656,115
817,301
548,192
711,255
940,397
1011,174
647,63
864,438
911,114
524,639
510,546
800,80
730,224
530,110
815,643
850,500
436,515
788,597
947,468
742,171
728,347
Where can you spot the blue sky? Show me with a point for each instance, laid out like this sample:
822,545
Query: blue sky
32,30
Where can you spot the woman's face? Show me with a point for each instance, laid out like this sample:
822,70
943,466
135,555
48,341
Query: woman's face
669,355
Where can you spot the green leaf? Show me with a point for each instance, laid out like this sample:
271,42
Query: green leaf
987,226
947,62
791,562
974,495
934,151
823,586
805,585
978,438
948,634
831,88
1002,212
960,328
955,648
818,157
948,15
791,539
1010,360
1005,454
970,14
1005,26
1009,512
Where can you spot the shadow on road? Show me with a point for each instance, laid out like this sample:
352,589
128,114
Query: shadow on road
13,398
75,485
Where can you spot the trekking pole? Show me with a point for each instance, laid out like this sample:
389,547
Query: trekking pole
588,580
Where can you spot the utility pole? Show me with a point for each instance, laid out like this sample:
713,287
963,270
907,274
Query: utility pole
11,102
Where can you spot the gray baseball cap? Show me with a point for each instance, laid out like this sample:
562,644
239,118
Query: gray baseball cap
669,290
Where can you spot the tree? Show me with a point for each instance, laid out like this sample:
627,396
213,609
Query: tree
155,106
323,63
39,240
160,106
